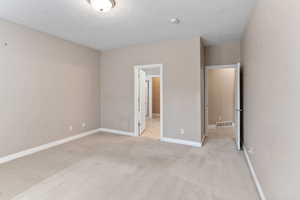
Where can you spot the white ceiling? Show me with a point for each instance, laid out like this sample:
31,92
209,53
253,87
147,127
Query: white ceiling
131,21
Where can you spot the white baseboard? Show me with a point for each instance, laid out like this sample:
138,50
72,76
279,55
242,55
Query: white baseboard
27,152
179,141
203,139
254,176
107,130
212,126
43,147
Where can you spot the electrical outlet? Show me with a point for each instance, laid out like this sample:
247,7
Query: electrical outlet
70,128
83,125
182,131
220,118
251,150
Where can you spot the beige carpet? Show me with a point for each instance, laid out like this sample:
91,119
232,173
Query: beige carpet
111,167
221,132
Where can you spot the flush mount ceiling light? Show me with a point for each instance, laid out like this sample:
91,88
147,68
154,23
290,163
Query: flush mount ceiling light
102,5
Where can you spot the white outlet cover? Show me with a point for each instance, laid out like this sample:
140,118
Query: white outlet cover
71,128
182,131
251,150
83,125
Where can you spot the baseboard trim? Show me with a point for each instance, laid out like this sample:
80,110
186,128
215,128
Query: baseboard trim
43,147
212,126
179,141
203,139
254,176
118,132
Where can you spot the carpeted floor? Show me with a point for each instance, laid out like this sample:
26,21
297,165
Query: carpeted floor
112,167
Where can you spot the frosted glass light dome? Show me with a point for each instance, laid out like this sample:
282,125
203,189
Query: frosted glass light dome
102,5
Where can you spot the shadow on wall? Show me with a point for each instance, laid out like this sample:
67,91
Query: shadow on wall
224,54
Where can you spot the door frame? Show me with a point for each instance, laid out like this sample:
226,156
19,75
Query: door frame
212,67
149,79
136,87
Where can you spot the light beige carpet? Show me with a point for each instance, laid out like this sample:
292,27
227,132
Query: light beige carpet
111,167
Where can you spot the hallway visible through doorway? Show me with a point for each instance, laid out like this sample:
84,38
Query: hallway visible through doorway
148,118
222,107
152,128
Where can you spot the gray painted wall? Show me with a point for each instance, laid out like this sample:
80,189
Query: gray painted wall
46,84
223,54
182,95
270,54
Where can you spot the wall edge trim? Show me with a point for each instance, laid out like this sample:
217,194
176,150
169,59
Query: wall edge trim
43,147
179,141
118,132
254,175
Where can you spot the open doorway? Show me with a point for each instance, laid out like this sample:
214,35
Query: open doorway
148,101
222,102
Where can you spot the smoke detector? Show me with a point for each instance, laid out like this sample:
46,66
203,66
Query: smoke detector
175,21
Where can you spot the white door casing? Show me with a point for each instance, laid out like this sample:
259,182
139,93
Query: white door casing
237,106
142,101
137,106
150,98
206,102
238,110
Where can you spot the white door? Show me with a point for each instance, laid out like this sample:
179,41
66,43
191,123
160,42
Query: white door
150,98
206,101
238,110
142,101
147,97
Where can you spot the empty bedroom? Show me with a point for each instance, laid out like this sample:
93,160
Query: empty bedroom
149,100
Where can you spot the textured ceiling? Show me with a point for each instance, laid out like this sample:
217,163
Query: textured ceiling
131,21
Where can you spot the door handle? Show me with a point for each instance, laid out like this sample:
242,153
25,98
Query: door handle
239,110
